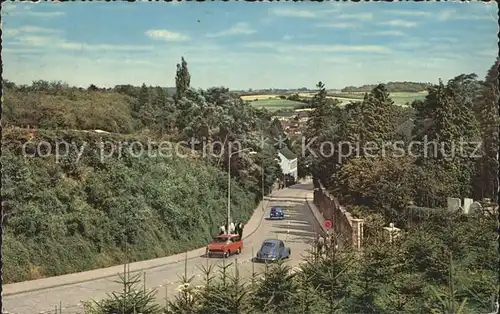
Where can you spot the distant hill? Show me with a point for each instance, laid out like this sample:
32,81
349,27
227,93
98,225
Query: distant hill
409,87
170,90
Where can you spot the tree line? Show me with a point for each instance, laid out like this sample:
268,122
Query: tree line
392,87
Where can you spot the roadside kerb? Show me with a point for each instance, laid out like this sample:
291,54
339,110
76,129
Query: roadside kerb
252,226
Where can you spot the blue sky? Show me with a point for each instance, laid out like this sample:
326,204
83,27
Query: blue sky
247,45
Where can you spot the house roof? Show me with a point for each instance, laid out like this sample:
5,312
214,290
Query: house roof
285,151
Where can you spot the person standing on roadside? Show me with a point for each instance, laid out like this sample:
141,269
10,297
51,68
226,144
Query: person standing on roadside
240,229
320,244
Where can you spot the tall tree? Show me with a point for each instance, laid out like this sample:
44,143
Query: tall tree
448,121
320,128
182,79
486,185
143,97
376,116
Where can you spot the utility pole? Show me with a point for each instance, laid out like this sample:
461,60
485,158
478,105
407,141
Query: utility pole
262,168
229,183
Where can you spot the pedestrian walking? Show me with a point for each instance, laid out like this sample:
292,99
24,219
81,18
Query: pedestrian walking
231,228
222,230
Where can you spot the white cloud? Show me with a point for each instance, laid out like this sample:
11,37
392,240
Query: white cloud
357,16
400,23
491,53
287,37
37,29
317,48
451,14
447,14
35,40
29,29
8,7
46,44
343,48
44,14
22,50
444,39
26,9
337,25
165,35
102,47
408,12
294,12
241,28
386,33
261,44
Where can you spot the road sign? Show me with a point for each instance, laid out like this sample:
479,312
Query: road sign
327,224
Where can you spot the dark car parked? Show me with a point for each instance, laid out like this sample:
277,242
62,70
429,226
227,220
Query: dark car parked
272,250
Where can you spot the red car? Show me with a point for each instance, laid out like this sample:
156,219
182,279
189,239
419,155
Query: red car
225,245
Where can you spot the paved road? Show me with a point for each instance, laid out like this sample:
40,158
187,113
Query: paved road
297,231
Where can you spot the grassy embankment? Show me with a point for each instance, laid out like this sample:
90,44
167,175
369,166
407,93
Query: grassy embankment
74,215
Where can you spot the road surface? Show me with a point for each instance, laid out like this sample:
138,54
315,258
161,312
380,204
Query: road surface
297,230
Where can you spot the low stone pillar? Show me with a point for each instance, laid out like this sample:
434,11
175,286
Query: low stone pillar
357,233
391,232
454,203
467,204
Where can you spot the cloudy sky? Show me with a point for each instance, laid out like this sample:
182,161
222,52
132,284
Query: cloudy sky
247,45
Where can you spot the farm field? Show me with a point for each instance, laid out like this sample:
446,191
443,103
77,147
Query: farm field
276,104
399,98
259,97
272,102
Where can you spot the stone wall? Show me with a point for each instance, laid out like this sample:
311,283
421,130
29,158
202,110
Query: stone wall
349,229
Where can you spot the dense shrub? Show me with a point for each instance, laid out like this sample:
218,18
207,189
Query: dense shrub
73,216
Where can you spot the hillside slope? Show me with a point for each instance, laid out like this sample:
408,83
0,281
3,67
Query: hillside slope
81,214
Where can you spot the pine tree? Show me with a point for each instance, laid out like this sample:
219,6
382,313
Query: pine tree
487,113
376,116
274,294
143,98
321,128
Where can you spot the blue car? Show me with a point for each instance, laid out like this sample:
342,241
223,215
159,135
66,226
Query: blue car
276,212
272,250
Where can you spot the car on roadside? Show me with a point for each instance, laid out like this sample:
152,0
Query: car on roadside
272,250
276,213
225,245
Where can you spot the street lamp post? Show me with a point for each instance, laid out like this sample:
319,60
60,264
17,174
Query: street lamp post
262,168
229,183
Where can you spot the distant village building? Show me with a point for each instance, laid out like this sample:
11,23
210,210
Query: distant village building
288,162
302,116
293,122
285,116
